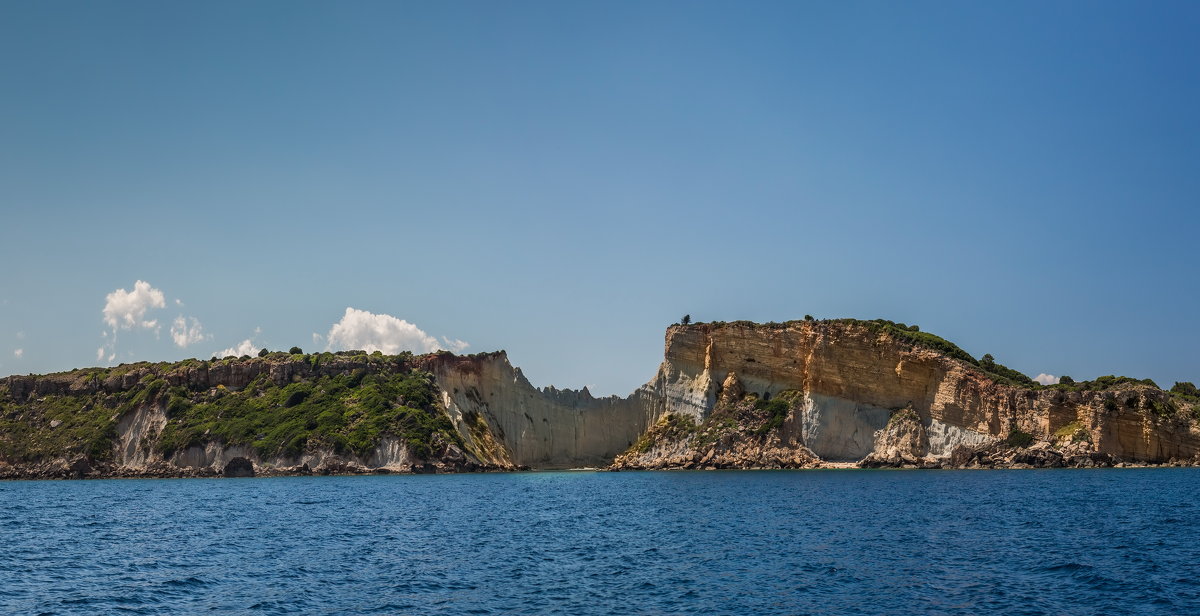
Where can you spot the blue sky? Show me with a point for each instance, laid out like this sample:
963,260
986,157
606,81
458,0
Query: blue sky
563,180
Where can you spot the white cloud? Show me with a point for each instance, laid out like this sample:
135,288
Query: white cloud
100,354
245,347
1046,379
186,331
127,309
19,353
454,346
369,332
178,302
318,338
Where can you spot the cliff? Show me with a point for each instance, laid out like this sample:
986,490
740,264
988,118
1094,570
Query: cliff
279,414
736,395
541,428
844,381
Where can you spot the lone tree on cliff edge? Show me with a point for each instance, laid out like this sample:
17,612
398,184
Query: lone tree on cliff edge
687,318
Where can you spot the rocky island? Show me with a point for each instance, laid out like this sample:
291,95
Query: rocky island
800,394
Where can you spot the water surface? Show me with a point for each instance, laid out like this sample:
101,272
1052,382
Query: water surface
783,542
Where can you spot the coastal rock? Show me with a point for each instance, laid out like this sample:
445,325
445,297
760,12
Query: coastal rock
903,442
239,467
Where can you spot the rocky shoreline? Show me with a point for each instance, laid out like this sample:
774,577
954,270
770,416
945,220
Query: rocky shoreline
992,458
996,457
82,468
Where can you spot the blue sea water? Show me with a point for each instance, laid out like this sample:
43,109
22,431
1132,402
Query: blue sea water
1117,541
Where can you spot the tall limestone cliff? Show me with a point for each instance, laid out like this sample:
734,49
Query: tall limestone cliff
845,380
498,410
727,395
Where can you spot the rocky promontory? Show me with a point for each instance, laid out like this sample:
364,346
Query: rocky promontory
881,394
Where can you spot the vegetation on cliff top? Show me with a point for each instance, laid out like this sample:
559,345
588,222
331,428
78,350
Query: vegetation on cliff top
348,413
348,409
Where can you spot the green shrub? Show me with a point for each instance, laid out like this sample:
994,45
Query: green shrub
1018,438
1160,408
776,410
1074,431
1186,389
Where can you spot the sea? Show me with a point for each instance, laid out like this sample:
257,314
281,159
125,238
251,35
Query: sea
1104,541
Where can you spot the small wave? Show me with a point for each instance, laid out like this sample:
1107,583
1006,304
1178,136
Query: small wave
1068,567
188,582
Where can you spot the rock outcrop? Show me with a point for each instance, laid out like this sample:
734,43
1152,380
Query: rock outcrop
850,380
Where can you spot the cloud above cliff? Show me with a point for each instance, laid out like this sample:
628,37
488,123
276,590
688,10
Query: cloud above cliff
127,309
1046,379
245,347
362,330
186,331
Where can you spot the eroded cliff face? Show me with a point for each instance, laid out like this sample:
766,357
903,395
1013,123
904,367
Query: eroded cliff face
504,418
736,395
849,380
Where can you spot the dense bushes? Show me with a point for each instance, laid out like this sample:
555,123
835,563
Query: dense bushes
1186,390
1103,383
776,410
349,413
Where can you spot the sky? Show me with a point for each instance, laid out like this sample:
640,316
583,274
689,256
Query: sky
563,180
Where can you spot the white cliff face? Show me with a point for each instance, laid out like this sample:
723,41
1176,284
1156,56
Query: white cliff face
390,454
135,434
488,398
840,430
943,438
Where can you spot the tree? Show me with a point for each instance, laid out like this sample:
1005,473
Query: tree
296,351
1186,388
687,318
1066,380
808,317
987,361
263,353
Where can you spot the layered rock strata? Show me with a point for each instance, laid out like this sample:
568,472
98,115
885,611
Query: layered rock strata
850,380
737,395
